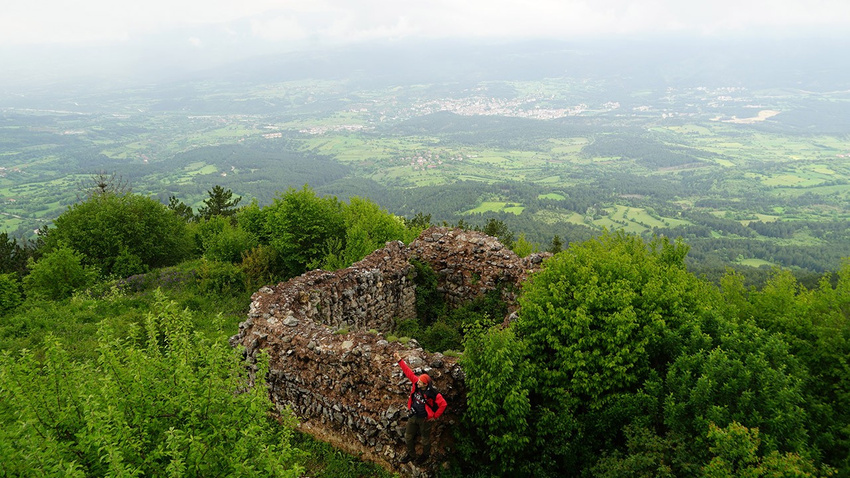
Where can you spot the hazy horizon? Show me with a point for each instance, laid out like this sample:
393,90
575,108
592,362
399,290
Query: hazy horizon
57,43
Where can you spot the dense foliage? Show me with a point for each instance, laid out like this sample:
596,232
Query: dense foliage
622,363
122,234
165,400
309,231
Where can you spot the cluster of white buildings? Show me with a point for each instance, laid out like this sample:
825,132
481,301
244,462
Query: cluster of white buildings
487,106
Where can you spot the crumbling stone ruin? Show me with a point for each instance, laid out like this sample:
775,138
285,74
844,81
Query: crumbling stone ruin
329,359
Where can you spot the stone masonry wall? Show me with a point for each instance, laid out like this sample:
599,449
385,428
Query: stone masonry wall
329,360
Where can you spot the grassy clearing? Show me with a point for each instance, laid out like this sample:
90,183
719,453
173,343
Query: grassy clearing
555,196
692,129
754,262
554,217
325,461
358,148
496,206
568,146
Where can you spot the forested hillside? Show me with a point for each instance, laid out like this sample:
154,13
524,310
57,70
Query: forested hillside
621,361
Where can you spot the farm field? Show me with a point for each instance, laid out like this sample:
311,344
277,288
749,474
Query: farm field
583,160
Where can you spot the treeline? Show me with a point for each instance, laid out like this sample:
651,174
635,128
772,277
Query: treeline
715,241
262,168
718,252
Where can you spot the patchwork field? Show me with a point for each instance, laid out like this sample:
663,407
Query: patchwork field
547,156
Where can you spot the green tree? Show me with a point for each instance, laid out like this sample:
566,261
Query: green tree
166,401
601,320
113,231
748,377
217,239
497,228
181,209
633,359
419,221
367,228
14,254
499,379
57,275
523,248
301,225
219,203
816,325
261,265
735,451
557,245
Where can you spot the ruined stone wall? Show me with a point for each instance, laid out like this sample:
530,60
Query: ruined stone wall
470,263
368,295
329,360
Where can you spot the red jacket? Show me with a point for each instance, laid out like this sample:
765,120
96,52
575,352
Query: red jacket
439,400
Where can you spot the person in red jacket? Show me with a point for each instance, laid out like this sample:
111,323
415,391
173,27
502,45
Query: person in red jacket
424,404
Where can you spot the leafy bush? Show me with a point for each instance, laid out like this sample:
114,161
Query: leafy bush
57,275
409,327
10,292
619,349
221,277
127,264
299,225
218,239
499,382
429,302
167,278
262,265
165,401
368,228
441,336
117,233
523,247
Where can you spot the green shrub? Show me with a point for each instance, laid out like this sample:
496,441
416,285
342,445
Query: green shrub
221,277
409,327
429,301
441,336
57,275
218,239
127,264
118,232
523,248
10,292
164,402
262,265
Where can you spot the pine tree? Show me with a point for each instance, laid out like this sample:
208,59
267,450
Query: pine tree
220,203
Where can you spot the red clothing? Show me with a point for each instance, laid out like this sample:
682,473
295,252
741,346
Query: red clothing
439,400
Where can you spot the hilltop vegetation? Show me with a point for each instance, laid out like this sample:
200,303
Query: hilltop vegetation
620,363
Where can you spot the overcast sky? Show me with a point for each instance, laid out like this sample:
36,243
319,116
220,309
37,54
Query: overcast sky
311,22
59,40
